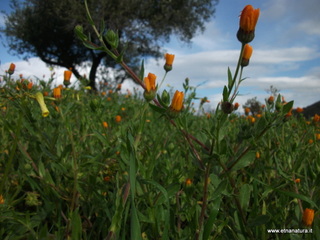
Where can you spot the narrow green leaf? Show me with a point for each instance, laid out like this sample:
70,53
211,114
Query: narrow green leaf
230,79
287,107
212,217
245,161
296,195
225,94
76,226
157,109
245,193
141,73
259,220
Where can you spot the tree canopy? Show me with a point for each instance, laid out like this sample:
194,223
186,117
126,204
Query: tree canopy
45,28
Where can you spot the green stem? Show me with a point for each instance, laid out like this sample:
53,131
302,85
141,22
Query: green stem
204,202
237,69
162,80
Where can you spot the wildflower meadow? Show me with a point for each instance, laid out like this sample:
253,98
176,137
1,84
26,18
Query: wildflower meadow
82,164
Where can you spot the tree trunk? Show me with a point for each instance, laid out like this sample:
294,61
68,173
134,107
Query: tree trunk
96,59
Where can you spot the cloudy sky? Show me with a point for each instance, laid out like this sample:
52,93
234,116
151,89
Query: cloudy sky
286,53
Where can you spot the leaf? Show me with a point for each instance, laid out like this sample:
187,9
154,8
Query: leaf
76,226
259,220
213,214
230,80
157,109
141,73
287,107
296,195
245,193
167,213
244,161
225,94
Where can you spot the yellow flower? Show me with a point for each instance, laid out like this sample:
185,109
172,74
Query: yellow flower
258,155
43,106
169,60
248,20
308,216
177,101
1,199
247,52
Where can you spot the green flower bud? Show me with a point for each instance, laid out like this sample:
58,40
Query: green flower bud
165,97
112,38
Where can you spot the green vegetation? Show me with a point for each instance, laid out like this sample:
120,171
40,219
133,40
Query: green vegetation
76,165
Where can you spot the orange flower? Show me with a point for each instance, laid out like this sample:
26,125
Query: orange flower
271,99
307,217
169,60
29,86
318,136
150,82
248,20
316,118
119,87
297,180
57,92
105,124
188,182
177,101
118,118
11,68
67,75
258,155
299,110
236,106
1,199
247,52
310,141
247,110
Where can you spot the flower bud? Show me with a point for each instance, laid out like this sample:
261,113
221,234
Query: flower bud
112,38
11,68
227,107
165,97
248,20
169,60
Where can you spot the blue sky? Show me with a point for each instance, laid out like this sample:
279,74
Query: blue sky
286,53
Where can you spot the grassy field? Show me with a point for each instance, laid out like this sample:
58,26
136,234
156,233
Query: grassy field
79,164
